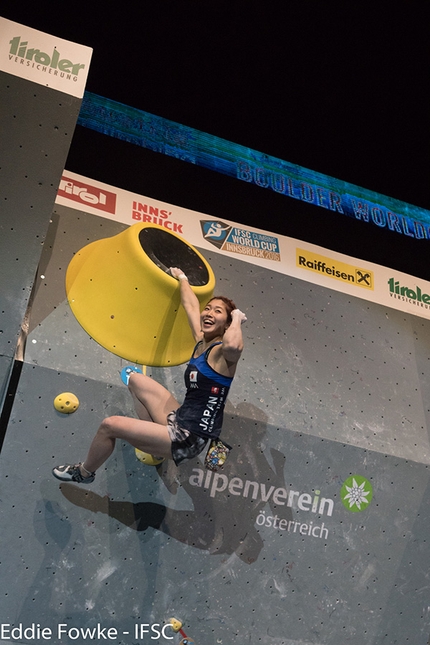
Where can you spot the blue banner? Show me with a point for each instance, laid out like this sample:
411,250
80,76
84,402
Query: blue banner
208,151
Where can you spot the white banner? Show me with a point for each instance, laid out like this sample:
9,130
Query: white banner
43,59
276,252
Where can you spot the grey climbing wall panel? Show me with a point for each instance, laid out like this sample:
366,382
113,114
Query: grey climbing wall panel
37,127
316,532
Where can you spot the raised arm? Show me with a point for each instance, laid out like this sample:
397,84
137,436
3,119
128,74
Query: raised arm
189,302
232,342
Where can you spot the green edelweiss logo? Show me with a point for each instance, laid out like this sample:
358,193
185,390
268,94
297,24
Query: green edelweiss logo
356,493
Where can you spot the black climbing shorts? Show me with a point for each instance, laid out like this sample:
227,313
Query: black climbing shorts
185,444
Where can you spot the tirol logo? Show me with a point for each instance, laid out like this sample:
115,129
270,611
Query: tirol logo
356,493
240,240
86,194
32,57
414,296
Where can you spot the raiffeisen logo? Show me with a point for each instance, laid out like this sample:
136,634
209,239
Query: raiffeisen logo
354,275
51,63
86,194
414,295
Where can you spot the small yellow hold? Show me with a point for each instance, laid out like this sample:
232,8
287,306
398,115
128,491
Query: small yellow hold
176,624
66,403
147,459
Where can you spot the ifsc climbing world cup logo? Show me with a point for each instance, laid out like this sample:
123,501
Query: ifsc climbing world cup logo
215,232
356,493
244,241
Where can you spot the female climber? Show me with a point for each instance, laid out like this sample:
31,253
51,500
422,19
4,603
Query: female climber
164,427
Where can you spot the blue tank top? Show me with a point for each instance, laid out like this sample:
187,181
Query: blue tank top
203,408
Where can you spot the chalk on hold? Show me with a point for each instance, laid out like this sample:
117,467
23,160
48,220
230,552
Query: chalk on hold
176,624
66,403
147,459
187,641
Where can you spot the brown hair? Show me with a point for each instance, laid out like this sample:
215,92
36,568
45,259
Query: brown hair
229,304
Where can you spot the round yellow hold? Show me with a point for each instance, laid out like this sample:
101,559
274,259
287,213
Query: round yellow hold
66,403
147,459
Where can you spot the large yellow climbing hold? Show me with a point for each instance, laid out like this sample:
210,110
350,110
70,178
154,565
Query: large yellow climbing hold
66,403
121,292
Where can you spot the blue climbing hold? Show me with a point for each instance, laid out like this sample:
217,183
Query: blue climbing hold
126,371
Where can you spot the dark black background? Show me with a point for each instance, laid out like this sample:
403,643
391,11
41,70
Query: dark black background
338,87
